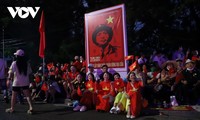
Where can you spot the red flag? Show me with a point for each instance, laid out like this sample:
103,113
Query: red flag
44,87
79,92
49,66
133,66
130,57
42,36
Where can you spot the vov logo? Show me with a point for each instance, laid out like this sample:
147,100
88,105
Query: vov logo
23,12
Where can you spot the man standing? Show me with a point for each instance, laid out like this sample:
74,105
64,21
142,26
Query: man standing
91,70
105,70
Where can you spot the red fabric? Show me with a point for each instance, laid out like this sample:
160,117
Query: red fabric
77,64
42,36
64,76
52,72
145,70
171,71
155,74
44,87
112,17
49,66
72,75
64,68
103,103
135,97
119,85
90,85
133,66
145,103
37,79
130,57
79,92
194,58
89,98
178,78
84,63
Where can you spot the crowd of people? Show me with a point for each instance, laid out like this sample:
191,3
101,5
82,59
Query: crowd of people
156,81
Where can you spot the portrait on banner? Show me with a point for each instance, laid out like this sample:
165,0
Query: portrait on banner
105,38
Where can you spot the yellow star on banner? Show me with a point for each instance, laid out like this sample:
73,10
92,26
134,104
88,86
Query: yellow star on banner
110,19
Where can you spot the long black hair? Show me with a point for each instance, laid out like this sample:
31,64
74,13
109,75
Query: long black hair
92,76
21,64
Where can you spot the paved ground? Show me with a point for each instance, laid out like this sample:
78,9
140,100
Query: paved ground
61,112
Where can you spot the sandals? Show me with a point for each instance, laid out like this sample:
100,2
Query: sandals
130,116
30,112
9,110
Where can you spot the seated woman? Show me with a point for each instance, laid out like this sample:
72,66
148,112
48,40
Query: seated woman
53,88
134,96
167,80
105,94
151,87
120,99
87,100
68,77
78,86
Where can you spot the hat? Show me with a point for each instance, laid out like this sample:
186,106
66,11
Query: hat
178,59
19,52
169,62
76,57
90,66
189,61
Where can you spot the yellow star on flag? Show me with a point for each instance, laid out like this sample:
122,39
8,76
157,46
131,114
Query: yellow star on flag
110,19
105,88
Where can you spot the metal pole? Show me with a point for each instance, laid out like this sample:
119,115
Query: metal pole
43,66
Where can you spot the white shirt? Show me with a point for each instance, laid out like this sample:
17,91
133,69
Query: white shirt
142,61
160,60
19,80
3,66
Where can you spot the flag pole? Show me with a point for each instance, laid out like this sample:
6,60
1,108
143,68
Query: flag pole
43,66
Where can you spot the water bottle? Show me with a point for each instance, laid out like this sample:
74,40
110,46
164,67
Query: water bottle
173,101
164,104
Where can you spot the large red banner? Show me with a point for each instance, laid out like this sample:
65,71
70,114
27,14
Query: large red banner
105,37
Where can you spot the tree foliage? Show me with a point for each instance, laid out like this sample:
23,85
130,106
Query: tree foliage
151,24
